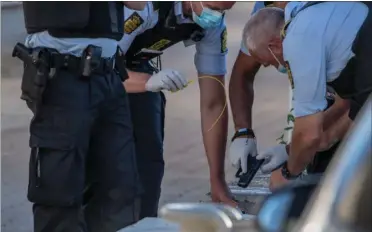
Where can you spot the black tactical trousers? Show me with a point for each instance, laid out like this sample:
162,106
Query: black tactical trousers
147,111
82,141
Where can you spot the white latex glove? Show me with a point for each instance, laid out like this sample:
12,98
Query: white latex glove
239,150
167,79
274,157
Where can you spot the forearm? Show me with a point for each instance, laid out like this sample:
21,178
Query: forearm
335,132
307,133
136,83
214,139
335,124
241,94
302,152
335,112
212,104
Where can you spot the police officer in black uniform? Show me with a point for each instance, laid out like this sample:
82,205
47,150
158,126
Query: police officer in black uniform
81,134
147,34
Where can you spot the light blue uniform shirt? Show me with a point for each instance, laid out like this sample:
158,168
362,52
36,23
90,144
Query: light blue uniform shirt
72,46
209,58
317,47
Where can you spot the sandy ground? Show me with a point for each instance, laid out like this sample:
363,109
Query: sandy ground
186,177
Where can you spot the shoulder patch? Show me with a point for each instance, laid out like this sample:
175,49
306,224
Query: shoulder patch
224,41
289,72
159,45
132,23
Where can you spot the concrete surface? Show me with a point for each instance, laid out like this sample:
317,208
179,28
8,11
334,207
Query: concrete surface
186,177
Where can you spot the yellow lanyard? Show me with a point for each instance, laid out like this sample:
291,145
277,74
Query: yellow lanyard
225,105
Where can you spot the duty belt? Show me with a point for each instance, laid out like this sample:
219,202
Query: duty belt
90,62
73,63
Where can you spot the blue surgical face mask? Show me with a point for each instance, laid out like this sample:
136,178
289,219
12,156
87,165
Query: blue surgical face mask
208,18
280,67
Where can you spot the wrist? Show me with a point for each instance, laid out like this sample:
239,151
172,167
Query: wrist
287,172
243,133
242,126
134,87
293,168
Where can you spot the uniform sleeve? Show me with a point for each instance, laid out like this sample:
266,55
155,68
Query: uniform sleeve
306,57
211,51
257,7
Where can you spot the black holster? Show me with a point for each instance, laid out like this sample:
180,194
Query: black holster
33,86
36,73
